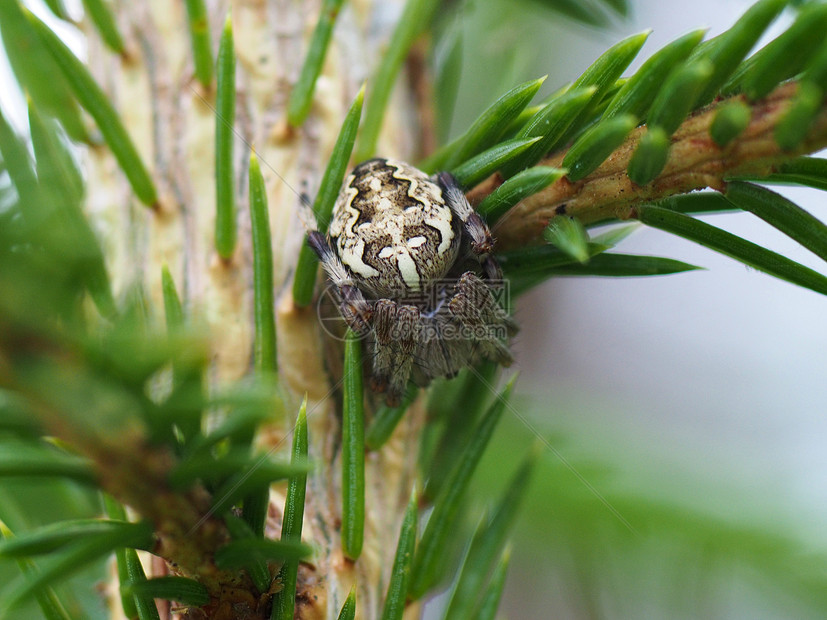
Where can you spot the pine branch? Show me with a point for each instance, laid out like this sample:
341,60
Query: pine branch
694,162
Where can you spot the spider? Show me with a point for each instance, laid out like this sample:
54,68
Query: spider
411,263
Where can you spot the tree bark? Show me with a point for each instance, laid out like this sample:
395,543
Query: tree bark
171,119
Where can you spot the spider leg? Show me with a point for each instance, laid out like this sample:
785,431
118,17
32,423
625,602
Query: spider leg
353,306
475,307
397,330
384,319
482,243
408,328
448,352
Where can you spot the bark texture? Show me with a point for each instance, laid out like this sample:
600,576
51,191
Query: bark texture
171,118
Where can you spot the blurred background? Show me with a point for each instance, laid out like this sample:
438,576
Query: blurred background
693,404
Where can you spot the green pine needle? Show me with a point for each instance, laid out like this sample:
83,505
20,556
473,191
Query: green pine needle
200,37
540,259
36,71
241,553
57,7
781,213
172,303
239,427
353,449
569,235
604,72
31,460
650,156
256,567
600,264
396,597
614,235
487,544
185,591
727,50
256,503
636,95
231,465
55,536
815,71
304,280
447,77
52,151
522,185
124,558
104,21
95,101
429,562
698,202
348,611
47,599
492,123
678,96
72,558
480,166
550,124
415,18
787,55
291,529
18,163
733,246
491,599
254,508
596,144
301,96
142,602
808,171
456,404
793,128
609,264
265,337
225,208
730,121
61,190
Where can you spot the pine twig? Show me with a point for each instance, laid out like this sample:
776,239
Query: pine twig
695,162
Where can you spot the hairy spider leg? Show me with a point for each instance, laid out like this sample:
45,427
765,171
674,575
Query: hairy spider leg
353,306
482,243
408,328
397,329
384,317
477,310
445,354
442,351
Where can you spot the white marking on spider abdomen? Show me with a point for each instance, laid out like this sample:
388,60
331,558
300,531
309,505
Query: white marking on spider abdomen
398,257
352,257
414,231
442,222
408,271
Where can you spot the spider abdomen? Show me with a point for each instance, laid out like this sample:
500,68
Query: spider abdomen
412,271
393,229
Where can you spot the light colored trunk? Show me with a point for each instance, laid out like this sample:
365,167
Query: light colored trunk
170,116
